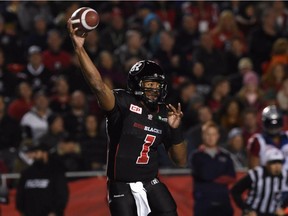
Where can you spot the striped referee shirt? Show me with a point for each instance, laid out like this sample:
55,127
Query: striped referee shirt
265,192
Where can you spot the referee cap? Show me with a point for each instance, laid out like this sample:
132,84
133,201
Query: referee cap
273,155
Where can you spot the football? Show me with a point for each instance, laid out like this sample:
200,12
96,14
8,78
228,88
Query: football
85,19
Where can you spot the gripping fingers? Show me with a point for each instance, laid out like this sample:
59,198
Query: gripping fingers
69,25
70,28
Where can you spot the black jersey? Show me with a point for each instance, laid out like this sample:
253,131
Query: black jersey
134,135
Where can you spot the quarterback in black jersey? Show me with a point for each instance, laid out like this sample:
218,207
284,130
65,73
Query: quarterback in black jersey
138,121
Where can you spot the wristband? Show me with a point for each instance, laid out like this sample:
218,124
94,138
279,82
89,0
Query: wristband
176,136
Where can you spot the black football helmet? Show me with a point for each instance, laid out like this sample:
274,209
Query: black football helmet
147,70
272,120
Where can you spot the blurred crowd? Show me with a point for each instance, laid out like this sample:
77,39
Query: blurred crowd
225,61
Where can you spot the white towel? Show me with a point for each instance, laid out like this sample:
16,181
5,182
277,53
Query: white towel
140,196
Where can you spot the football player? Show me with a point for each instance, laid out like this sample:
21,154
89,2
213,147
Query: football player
273,136
138,121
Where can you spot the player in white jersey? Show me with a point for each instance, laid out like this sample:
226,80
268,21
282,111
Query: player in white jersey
273,136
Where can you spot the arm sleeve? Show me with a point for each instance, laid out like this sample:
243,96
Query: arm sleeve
238,189
122,99
121,105
173,136
176,135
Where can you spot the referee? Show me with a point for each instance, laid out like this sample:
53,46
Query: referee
266,185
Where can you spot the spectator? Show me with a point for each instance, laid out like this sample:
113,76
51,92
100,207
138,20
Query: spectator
168,54
109,70
230,114
266,186
29,10
250,124
59,101
35,120
234,53
55,132
189,100
197,75
250,94
153,27
236,79
114,35
69,152
212,58
35,73
282,97
213,171
237,150
132,48
10,133
280,9
279,55
144,11
167,12
246,18
206,13
219,93
226,29
188,35
23,103
8,80
233,6
10,37
75,78
273,79
38,36
42,189
92,44
64,12
10,136
25,157
55,58
262,39
193,136
93,145
74,120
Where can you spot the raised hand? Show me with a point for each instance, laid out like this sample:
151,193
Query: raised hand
78,41
174,115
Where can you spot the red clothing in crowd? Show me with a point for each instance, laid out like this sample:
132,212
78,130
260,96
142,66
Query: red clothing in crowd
18,108
56,62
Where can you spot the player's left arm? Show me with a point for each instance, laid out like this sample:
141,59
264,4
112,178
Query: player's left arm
178,150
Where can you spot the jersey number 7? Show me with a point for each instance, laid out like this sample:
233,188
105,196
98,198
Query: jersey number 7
144,157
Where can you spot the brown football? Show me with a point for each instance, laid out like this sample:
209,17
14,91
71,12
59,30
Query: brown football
85,19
